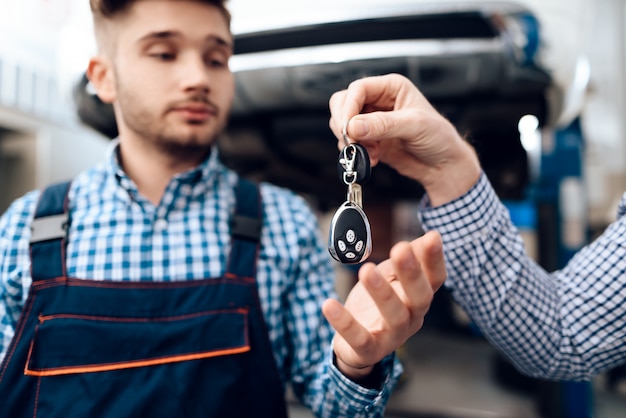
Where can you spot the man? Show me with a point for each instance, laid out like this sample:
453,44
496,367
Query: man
566,325
160,284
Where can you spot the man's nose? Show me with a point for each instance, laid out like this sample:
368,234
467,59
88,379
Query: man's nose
195,73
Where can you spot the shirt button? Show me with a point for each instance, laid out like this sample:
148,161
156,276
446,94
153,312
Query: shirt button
160,225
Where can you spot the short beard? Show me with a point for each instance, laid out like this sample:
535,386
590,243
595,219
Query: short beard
193,151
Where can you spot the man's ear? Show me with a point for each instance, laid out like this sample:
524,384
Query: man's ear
100,74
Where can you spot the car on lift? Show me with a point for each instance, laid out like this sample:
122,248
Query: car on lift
477,62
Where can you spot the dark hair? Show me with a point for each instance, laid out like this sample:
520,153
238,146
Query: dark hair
106,10
109,8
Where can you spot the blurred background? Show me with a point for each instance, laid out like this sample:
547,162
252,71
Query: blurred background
538,86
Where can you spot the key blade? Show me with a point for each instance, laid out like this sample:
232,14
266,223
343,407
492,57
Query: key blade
355,194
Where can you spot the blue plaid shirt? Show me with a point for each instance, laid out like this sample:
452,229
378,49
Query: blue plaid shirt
569,324
117,234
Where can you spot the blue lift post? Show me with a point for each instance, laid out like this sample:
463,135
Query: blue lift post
562,229
555,206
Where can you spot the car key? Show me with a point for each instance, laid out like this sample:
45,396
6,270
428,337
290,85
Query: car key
350,238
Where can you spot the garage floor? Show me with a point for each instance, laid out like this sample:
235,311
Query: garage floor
452,377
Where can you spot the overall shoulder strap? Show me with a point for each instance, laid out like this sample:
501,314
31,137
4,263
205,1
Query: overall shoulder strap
49,233
245,230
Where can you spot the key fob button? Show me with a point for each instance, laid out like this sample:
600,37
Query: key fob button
350,255
359,246
350,236
342,246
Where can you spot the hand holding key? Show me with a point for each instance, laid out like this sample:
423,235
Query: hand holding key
390,118
397,125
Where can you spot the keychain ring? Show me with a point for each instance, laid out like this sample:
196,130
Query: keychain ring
346,139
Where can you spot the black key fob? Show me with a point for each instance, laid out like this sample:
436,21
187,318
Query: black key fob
350,239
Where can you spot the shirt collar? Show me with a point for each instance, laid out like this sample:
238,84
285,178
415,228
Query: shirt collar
198,178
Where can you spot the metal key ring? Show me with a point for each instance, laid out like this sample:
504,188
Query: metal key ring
346,139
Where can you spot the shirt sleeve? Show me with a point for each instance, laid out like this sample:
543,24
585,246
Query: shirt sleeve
313,376
360,401
14,265
568,324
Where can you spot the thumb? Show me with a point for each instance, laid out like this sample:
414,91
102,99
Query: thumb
383,125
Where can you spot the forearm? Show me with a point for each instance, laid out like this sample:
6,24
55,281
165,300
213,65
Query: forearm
513,302
520,308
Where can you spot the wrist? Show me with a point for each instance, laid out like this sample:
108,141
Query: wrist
354,373
454,177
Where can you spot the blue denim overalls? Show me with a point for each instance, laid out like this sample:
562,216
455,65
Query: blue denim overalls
85,348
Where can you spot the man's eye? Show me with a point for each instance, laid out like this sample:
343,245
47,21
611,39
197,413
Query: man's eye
163,56
216,61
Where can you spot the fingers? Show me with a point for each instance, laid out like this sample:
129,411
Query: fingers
389,303
419,267
429,250
371,99
353,100
346,325
408,270
373,323
393,310
414,290
381,125
392,313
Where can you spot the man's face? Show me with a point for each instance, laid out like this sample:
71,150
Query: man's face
172,83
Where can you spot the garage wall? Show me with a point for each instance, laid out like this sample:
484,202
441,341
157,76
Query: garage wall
41,139
35,152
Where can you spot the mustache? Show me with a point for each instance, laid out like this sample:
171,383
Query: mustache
195,100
